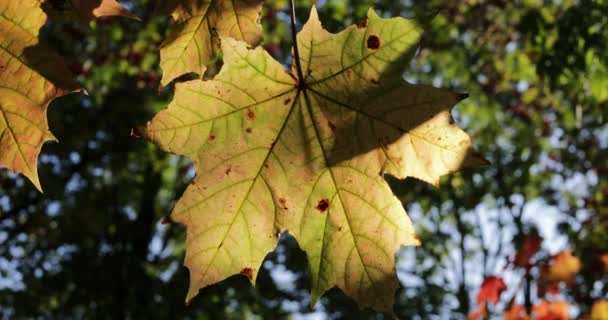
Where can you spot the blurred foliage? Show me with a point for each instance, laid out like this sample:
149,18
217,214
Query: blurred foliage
536,72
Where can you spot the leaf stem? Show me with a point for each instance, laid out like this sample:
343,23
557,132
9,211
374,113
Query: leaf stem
296,51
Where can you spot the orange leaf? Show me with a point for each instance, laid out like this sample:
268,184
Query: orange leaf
551,310
516,312
490,290
604,259
562,267
599,311
527,251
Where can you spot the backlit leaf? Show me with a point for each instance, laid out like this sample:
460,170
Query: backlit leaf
275,153
562,267
527,251
551,310
90,9
31,75
192,43
599,310
490,290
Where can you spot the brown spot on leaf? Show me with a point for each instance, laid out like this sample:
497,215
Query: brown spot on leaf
374,81
228,170
323,205
211,137
221,244
339,228
167,220
373,42
248,130
247,272
332,126
266,165
250,115
283,203
362,23
287,101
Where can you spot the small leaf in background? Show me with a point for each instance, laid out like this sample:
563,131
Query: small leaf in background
516,312
561,267
527,251
31,75
275,152
604,259
193,40
599,310
88,10
551,310
490,290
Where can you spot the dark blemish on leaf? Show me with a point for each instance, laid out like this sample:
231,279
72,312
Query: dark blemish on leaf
283,203
247,272
211,137
373,42
287,101
248,130
167,220
332,126
266,165
374,81
323,205
339,228
362,23
221,244
228,170
250,115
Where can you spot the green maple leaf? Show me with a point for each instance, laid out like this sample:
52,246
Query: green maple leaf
277,153
192,43
31,75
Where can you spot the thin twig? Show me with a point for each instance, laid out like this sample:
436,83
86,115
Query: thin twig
296,52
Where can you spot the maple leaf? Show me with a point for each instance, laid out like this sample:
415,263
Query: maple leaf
599,310
31,75
527,251
562,267
551,310
193,39
490,290
276,152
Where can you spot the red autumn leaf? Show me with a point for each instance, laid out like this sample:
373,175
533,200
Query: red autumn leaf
551,310
490,290
516,312
527,251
